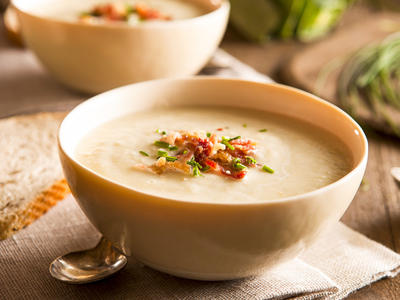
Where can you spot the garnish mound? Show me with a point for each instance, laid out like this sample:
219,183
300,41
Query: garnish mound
198,152
117,11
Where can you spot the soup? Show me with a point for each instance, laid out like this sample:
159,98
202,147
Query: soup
131,11
214,154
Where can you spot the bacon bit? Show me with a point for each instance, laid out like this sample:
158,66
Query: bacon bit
220,129
171,138
111,11
212,164
239,175
147,13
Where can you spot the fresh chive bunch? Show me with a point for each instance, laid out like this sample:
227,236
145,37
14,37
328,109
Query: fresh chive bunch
369,83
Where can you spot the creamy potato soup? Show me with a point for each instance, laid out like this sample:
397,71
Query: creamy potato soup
214,154
130,11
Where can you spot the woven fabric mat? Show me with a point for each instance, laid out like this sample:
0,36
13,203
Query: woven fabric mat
339,263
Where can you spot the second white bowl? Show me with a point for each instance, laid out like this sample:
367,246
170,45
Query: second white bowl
96,58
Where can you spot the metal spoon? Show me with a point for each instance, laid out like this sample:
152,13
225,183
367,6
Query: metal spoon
88,265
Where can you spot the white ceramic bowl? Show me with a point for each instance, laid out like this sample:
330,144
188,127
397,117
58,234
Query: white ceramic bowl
209,241
97,58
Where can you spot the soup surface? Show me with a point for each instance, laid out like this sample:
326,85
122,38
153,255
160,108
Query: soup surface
72,10
279,156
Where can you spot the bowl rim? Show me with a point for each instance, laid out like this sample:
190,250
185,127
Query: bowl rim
223,7
359,166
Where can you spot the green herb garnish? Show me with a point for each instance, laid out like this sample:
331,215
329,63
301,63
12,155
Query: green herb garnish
263,130
143,153
237,164
171,158
196,171
195,165
162,153
267,169
161,132
208,134
368,84
184,151
130,9
250,160
225,141
161,144
234,138
192,162
165,145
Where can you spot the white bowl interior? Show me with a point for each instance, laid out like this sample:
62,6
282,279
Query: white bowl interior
211,92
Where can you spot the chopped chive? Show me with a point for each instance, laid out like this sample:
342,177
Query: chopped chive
236,160
184,151
234,138
263,130
250,160
161,132
162,153
267,169
172,148
171,158
225,141
237,164
143,153
208,134
196,171
192,162
240,166
130,9
196,166
161,144
244,125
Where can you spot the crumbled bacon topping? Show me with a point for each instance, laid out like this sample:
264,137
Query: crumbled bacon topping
122,12
198,153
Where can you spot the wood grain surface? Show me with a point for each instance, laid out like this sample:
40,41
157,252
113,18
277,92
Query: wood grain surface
375,211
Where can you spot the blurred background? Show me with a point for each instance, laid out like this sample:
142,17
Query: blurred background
342,50
322,46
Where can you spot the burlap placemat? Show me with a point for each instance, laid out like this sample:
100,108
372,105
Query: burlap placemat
339,263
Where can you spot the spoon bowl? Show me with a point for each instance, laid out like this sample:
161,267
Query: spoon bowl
88,265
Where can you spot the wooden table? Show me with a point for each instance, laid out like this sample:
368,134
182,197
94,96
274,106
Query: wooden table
375,211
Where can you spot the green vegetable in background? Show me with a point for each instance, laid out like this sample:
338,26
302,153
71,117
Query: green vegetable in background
369,84
305,20
255,18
